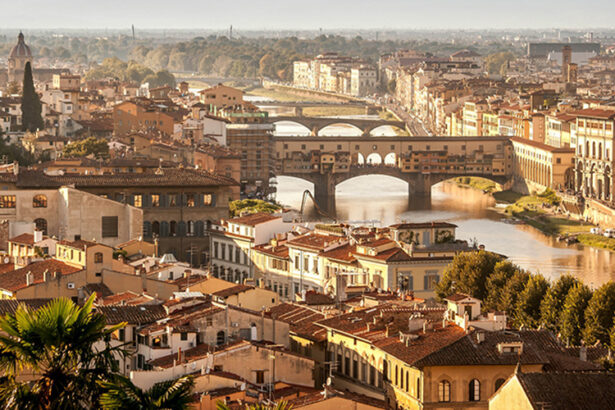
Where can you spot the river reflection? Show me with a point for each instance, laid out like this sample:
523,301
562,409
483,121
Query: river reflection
383,200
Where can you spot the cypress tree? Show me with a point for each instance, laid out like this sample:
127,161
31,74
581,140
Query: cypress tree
30,103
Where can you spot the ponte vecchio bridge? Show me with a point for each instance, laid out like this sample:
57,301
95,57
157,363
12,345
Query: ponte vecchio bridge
420,161
317,124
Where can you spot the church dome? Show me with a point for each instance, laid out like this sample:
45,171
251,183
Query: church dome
21,50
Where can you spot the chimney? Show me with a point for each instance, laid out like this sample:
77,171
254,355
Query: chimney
45,276
28,278
583,353
480,337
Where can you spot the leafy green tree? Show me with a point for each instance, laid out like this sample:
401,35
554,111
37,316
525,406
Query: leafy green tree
67,349
89,146
599,314
512,290
252,206
30,103
120,393
551,305
528,303
468,273
496,282
572,318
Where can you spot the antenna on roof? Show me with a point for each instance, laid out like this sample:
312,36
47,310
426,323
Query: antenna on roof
133,32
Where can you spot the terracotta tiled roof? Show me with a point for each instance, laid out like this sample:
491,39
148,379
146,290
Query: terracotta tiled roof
16,280
137,315
456,297
100,289
539,347
24,239
233,290
315,298
254,219
314,241
280,251
317,397
9,306
167,177
81,244
301,320
559,391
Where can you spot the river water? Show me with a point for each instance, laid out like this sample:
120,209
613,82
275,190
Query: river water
383,200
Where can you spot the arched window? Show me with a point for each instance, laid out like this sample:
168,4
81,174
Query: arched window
220,337
41,225
156,228
474,388
98,257
444,391
172,228
39,201
498,384
191,228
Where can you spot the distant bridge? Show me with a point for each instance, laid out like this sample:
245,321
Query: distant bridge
420,161
316,124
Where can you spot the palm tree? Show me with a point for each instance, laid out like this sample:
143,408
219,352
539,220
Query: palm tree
66,350
120,394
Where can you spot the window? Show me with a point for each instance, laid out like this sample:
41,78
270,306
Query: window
207,199
7,201
98,257
155,200
109,227
183,336
138,200
173,228
190,200
474,388
122,335
260,376
220,338
39,201
41,225
172,200
498,384
444,391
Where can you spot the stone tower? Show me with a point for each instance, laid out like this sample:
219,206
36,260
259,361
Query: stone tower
20,55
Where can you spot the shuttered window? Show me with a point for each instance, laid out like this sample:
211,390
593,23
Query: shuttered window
109,227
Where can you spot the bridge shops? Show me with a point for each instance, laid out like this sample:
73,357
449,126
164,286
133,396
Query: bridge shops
340,260
420,161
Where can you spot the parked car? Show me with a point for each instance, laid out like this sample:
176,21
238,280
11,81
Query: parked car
609,233
596,231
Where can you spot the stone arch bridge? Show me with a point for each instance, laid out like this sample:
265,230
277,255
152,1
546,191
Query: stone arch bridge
317,124
420,161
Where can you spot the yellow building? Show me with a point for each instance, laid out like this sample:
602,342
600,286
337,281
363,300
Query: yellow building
414,359
529,391
542,166
220,96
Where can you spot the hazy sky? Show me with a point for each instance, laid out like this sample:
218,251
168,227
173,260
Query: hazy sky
307,14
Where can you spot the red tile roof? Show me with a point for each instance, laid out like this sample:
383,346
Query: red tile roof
16,280
254,219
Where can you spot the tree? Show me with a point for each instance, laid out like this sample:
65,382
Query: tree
30,103
572,318
120,393
599,315
468,273
252,206
551,306
496,282
528,304
512,290
89,146
65,346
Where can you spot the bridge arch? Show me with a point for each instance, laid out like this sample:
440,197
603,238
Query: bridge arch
305,128
321,130
374,158
374,130
390,159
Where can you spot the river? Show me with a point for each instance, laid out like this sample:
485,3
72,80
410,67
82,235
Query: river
383,200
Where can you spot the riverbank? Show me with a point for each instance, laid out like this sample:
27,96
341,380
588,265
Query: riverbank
538,210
